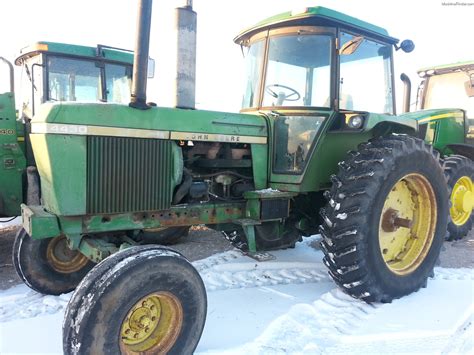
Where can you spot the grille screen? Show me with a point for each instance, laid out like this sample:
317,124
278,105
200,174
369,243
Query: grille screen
128,174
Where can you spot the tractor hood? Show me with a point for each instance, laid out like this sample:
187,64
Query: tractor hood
107,158
426,116
162,123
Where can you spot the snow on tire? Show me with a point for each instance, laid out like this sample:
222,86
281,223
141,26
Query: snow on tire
386,218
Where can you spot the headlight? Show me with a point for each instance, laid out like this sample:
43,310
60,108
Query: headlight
355,122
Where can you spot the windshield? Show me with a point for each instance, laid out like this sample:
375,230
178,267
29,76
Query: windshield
297,74
449,91
81,80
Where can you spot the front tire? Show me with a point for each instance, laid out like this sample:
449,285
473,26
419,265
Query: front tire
459,172
142,300
48,266
386,219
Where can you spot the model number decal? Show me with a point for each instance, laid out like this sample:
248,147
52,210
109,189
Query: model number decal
7,132
82,130
67,129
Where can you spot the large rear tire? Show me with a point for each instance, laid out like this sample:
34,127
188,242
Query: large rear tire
386,219
459,172
143,300
48,266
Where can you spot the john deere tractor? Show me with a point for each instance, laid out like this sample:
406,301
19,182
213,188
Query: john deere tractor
318,127
453,86
51,72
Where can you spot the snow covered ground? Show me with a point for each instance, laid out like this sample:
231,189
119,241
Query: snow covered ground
11,222
288,305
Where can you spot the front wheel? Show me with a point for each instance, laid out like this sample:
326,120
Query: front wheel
386,219
48,266
142,300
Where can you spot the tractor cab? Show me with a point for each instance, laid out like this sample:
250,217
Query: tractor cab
448,86
57,72
316,71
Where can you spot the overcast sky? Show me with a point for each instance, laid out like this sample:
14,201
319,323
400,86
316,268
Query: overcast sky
440,33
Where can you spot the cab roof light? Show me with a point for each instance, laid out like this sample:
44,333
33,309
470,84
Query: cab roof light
299,11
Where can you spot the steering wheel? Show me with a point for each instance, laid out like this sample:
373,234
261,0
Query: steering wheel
281,95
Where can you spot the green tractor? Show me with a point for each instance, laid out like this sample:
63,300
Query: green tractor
453,86
318,139
52,72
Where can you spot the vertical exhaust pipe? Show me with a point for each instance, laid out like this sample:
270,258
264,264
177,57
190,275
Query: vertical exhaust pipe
10,68
406,92
185,81
140,59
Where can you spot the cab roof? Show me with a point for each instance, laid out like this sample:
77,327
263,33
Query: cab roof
446,68
105,52
316,16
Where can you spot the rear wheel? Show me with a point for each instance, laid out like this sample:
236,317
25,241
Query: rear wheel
48,266
459,172
143,300
386,219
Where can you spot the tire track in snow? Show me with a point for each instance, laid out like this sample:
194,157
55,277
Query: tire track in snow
462,341
453,274
318,327
30,304
207,263
311,327
216,280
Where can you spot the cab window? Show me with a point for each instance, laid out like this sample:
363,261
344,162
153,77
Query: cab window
365,81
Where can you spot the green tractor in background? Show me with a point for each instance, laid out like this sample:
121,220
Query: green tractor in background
453,86
318,128
52,72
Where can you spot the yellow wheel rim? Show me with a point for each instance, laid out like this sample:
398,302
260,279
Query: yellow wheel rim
462,201
407,224
152,325
62,259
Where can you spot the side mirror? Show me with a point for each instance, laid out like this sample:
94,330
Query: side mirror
151,68
407,46
351,46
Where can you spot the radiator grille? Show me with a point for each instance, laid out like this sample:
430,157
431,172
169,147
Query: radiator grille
128,174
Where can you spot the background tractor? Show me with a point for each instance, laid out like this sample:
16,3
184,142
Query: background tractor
318,127
453,86
51,72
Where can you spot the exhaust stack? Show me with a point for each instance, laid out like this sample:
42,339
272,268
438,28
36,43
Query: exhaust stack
140,59
185,81
406,92
12,79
